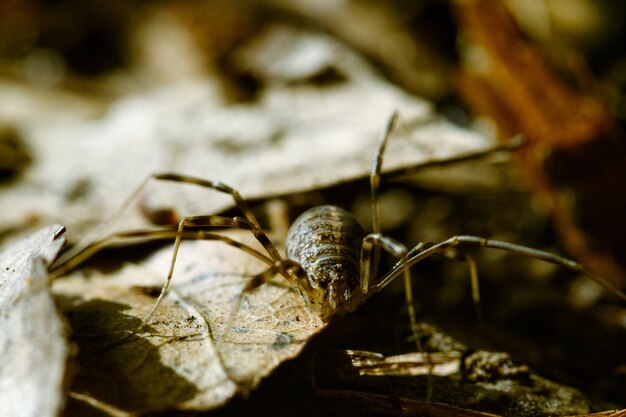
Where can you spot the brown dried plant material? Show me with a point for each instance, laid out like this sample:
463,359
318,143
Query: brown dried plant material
574,162
492,385
464,381
33,349
194,354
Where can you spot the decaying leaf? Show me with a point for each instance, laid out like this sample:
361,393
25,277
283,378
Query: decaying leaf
195,353
486,382
295,136
475,366
33,348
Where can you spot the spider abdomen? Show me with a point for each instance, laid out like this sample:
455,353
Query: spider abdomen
326,241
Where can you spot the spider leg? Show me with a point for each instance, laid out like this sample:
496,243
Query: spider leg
370,243
167,176
471,264
208,222
377,166
150,234
417,255
289,269
466,259
397,249
424,250
370,250
215,185
239,201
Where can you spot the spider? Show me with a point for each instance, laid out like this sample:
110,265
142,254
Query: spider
331,261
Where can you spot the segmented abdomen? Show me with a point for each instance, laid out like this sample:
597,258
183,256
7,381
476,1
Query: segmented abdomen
326,234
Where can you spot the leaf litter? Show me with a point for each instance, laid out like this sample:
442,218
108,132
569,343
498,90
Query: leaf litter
188,358
296,137
33,344
195,353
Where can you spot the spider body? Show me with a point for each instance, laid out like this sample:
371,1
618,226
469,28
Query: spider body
326,242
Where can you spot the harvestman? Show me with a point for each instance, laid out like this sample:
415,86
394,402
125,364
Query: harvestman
330,259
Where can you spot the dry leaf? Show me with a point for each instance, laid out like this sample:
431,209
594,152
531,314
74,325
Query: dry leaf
195,354
296,136
33,349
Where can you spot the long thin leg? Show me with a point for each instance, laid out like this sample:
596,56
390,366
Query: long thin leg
289,269
215,185
369,245
239,201
370,253
150,234
249,223
421,251
415,256
375,177
370,250
471,264
397,249
96,233
167,176
370,258
211,221
377,166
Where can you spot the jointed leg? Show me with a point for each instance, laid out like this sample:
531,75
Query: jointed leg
471,264
80,252
212,221
369,245
151,234
423,251
276,266
87,247
399,250
465,258
239,201
215,185
370,252
292,271
417,255
377,165
370,242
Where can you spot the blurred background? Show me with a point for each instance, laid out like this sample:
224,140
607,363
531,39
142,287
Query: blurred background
74,74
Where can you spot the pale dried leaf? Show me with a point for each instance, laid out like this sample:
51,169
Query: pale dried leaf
296,136
195,354
32,338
